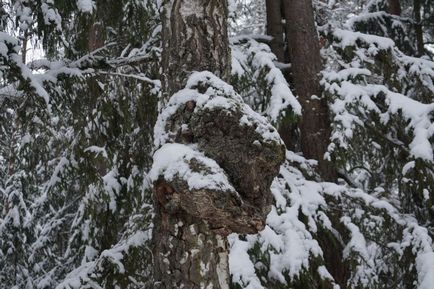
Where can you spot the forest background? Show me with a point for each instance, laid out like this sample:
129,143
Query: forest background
103,135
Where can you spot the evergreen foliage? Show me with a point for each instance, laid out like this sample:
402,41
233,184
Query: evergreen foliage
79,98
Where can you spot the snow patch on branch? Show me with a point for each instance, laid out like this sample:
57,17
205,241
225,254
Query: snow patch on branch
217,95
86,6
173,160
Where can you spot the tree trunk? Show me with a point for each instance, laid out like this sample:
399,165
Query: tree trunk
275,28
418,28
191,225
394,7
187,254
288,129
304,49
195,38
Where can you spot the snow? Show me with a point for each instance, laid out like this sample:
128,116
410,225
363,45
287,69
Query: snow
292,241
55,177
349,38
86,6
324,273
240,265
87,272
425,268
256,59
291,245
219,95
97,150
173,160
359,92
416,112
112,187
51,15
281,95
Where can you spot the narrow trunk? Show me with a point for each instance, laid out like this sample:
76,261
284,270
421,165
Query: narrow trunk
195,38
394,7
304,49
288,129
24,48
275,28
303,45
418,27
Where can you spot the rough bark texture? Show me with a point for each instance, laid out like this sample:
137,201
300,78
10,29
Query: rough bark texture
250,162
275,28
187,254
394,7
96,37
195,38
306,62
191,225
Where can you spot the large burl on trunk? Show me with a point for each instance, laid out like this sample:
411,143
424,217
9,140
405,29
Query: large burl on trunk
216,158
212,177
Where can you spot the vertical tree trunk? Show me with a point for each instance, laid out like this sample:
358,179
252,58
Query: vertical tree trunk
304,49
187,253
195,38
275,28
418,28
394,7
288,129
191,223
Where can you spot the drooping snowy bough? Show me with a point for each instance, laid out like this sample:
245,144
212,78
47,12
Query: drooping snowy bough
212,176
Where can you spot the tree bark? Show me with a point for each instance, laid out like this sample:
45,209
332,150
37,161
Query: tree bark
191,225
288,129
303,45
195,38
187,254
418,28
275,28
394,7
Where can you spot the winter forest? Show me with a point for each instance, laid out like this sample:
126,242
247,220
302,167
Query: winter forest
216,144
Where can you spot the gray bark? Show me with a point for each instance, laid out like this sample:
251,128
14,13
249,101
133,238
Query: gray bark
195,38
189,238
190,249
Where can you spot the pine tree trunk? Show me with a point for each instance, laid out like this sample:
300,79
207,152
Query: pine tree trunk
275,28
304,49
288,129
418,28
394,7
